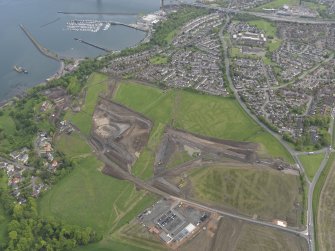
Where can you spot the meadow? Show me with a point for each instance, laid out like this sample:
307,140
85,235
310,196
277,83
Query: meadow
198,113
259,238
266,193
159,60
311,163
268,27
96,84
7,127
326,222
4,219
321,208
88,198
73,145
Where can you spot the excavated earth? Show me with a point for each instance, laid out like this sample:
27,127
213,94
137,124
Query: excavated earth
119,133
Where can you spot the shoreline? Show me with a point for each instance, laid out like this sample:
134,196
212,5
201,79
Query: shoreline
19,93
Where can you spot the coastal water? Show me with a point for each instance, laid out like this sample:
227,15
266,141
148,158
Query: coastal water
16,48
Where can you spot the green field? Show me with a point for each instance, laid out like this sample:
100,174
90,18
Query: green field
233,234
131,237
76,148
267,193
7,127
3,217
86,197
267,27
316,198
214,116
203,114
259,238
311,163
273,44
159,60
150,101
111,245
143,166
7,124
270,146
325,215
96,84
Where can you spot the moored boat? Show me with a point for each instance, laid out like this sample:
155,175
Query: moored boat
20,69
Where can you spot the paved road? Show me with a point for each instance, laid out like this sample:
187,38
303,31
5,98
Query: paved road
310,214
294,19
144,185
271,16
308,234
232,87
239,217
310,223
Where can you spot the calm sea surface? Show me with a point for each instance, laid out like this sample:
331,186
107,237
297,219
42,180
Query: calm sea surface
16,48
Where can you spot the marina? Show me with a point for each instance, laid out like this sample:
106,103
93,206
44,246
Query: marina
86,25
47,27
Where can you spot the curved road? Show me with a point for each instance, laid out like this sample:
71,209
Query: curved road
311,185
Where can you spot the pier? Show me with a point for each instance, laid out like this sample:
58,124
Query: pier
39,47
98,13
93,45
133,26
51,22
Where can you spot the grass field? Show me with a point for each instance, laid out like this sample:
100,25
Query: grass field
72,145
131,237
7,124
259,238
270,146
267,27
203,114
143,166
159,60
235,52
322,201
267,193
96,84
326,220
232,234
214,116
111,245
311,163
3,217
86,197
273,44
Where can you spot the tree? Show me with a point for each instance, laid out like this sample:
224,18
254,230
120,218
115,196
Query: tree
12,235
